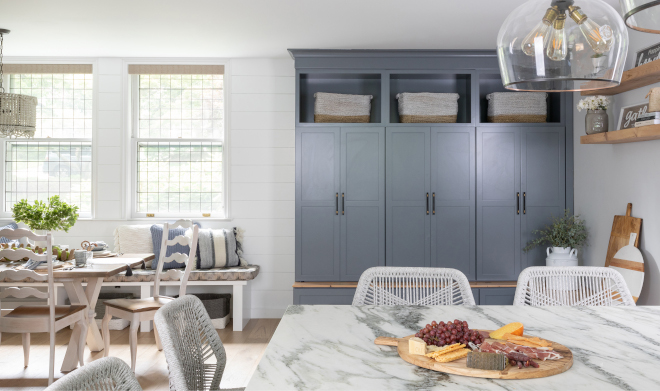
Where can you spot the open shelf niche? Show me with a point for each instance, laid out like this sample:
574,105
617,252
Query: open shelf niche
492,82
339,83
435,83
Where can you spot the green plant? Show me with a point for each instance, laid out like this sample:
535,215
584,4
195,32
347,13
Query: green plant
52,216
567,231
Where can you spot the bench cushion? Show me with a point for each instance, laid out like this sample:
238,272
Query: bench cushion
217,274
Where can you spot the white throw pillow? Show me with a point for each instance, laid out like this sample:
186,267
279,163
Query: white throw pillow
133,239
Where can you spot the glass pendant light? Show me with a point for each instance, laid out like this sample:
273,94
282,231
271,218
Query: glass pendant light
642,15
18,113
562,45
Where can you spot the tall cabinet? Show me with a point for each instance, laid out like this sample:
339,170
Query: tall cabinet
464,195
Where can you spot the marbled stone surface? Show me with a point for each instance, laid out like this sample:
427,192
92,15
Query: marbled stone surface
332,348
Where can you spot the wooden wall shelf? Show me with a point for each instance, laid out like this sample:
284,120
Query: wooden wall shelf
643,133
641,76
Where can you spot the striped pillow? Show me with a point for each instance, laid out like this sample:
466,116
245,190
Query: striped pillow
11,225
220,248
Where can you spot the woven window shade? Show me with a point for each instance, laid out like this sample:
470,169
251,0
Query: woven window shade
47,68
151,69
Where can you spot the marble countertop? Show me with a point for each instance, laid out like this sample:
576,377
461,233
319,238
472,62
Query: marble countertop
332,348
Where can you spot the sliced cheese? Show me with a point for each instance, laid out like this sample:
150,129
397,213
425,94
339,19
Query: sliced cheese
416,346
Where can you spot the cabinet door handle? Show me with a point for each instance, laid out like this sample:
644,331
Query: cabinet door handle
524,203
434,203
427,203
337,203
518,203
342,203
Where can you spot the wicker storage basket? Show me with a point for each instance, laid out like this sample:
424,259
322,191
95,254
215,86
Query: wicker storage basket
427,107
217,306
342,108
517,107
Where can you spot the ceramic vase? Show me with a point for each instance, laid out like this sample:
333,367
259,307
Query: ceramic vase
596,121
561,256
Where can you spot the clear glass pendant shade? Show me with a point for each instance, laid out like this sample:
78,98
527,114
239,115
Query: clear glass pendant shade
642,15
562,45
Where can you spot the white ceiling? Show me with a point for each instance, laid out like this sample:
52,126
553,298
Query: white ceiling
245,28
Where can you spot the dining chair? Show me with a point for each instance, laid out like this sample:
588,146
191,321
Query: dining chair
194,352
106,373
27,319
571,286
413,286
139,310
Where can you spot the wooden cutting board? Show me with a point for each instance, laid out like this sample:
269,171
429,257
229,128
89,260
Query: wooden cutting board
622,227
459,367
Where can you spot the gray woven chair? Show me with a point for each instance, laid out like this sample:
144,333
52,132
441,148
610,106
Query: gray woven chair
109,373
193,350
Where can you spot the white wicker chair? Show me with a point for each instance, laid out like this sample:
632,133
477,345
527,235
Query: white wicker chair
413,286
190,343
108,373
572,286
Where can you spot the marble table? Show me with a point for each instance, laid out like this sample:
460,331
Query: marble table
332,348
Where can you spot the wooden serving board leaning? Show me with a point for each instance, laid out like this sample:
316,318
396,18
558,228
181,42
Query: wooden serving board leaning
459,367
622,227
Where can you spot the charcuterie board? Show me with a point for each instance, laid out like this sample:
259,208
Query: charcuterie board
459,367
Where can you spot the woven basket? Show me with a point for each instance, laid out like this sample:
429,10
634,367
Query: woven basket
427,107
217,306
342,108
654,100
517,107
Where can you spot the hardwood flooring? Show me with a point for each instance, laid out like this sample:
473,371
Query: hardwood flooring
244,350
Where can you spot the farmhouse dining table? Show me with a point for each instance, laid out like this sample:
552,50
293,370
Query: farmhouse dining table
93,275
332,348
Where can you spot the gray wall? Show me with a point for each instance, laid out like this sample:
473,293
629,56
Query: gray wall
607,177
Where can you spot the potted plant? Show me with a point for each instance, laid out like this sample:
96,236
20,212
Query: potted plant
56,215
596,120
564,234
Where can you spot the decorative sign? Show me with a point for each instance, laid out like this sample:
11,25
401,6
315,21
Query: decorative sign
648,54
629,115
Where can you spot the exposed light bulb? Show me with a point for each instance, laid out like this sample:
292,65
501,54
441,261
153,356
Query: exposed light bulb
600,38
540,30
557,45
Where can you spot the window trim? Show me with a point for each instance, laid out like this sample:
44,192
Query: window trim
133,121
3,141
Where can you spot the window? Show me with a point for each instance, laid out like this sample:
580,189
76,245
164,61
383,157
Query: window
58,160
178,132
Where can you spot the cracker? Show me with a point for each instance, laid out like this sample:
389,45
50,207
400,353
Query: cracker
453,356
445,350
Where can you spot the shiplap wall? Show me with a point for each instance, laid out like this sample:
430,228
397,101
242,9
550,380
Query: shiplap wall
261,141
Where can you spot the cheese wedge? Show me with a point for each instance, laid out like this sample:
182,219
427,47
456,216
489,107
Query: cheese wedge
416,346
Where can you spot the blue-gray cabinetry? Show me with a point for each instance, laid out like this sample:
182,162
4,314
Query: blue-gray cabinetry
340,202
496,296
323,296
520,185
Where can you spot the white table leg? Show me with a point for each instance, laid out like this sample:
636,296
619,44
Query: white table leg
145,292
79,296
241,307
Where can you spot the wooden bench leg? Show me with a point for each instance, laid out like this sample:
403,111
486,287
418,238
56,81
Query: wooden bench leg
145,292
241,306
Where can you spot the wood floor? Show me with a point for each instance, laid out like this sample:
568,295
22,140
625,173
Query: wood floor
244,350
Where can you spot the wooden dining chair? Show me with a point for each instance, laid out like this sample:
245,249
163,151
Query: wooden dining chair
27,319
540,286
139,310
413,286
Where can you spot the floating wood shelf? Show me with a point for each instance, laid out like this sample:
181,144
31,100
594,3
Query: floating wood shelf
346,284
641,76
643,133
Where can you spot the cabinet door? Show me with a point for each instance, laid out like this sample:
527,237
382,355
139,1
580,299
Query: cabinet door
496,296
317,201
498,218
453,222
362,201
543,184
408,187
